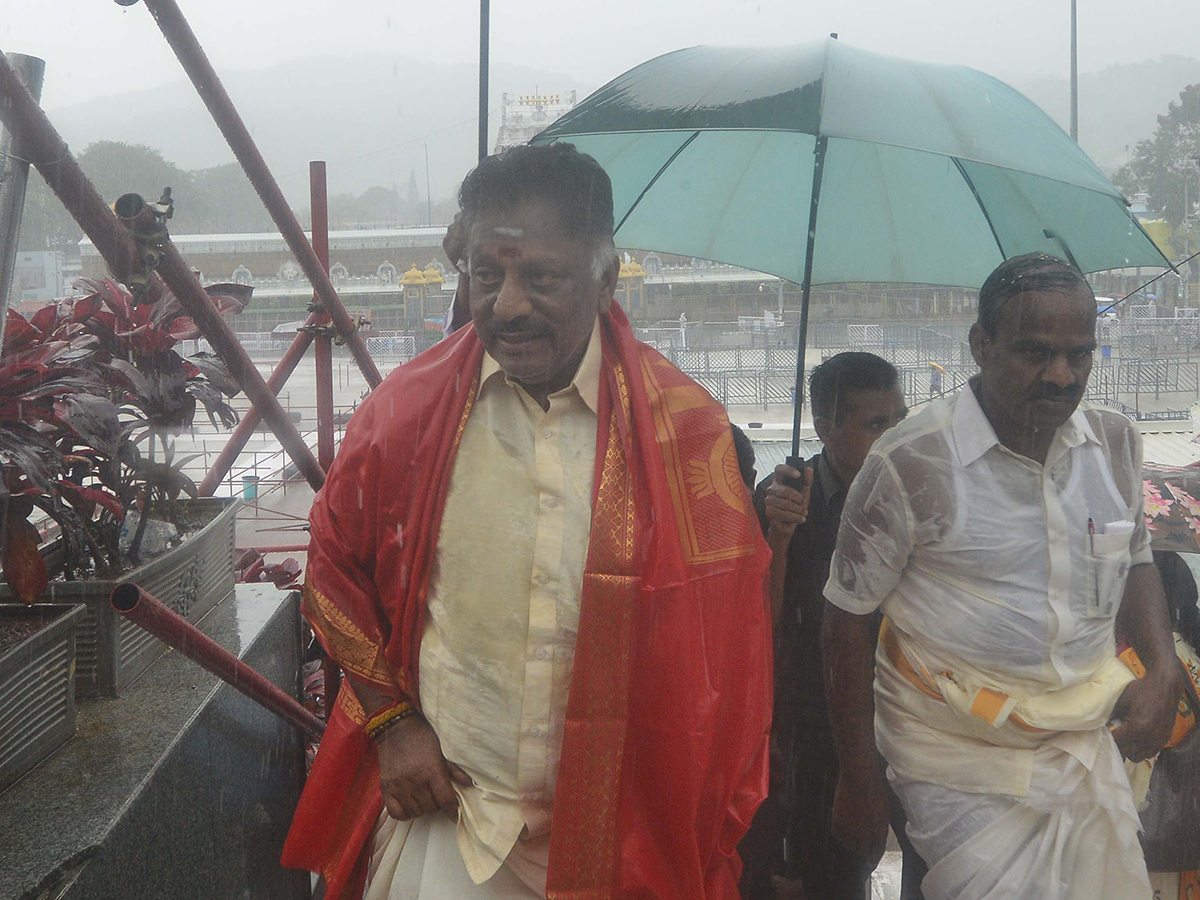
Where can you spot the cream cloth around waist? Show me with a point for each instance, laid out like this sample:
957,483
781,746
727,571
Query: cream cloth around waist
941,720
420,860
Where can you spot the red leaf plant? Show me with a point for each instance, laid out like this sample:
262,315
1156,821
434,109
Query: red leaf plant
84,382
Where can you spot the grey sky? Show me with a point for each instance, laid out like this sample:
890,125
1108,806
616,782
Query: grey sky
95,48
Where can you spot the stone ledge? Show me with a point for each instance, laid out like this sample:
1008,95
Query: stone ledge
180,788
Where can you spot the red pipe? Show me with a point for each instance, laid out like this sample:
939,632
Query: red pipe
178,275
48,152
175,631
182,39
290,359
323,351
245,428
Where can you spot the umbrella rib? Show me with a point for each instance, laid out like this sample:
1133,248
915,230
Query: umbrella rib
652,181
979,200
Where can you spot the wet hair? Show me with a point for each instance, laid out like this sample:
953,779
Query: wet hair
745,455
573,182
1180,587
850,371
1033,272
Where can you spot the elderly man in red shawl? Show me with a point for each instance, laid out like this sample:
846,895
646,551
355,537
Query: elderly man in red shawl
538,566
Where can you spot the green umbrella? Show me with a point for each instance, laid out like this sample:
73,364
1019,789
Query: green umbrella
824,164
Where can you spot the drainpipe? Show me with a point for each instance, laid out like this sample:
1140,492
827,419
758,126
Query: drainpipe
14,173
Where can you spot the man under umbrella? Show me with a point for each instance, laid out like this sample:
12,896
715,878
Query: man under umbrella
536,561
790,851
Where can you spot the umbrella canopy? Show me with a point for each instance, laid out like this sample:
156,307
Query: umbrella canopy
822,163
903,172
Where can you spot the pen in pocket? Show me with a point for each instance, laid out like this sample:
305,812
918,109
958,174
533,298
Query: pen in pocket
1092,561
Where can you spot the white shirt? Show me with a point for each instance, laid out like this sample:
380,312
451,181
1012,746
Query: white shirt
503,611
987,555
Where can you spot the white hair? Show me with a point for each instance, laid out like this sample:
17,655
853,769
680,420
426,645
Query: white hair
605,256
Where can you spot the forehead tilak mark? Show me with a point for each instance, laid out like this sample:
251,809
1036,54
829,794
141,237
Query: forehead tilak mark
509,232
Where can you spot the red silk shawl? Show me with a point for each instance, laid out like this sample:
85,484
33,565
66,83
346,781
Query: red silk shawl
664,755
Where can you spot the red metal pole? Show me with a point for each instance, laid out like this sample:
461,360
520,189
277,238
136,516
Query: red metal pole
175,631
182,39
48,152
245,428
178,275
323,351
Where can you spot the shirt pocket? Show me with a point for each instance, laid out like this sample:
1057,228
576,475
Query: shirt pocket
1108,565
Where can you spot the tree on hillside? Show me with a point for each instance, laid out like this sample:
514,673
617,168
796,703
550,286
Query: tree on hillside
214,200
1166,165
115,168
223,201
45,225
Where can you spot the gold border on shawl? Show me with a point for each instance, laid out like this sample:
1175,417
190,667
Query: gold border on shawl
676,478
352,649
350,704
585,851
472,393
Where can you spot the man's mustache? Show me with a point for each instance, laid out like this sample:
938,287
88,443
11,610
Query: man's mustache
1056,394
521,327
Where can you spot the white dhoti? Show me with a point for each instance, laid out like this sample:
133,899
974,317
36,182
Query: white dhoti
1073,836
1004,801
420,860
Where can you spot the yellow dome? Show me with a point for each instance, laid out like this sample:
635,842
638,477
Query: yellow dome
433,276
636,270
624,272
413,276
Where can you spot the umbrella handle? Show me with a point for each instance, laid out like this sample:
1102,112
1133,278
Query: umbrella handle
797,463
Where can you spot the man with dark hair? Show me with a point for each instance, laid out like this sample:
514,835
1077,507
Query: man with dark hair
1001,535
537,565
855,397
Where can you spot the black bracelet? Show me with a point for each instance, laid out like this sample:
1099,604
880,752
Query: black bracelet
399,717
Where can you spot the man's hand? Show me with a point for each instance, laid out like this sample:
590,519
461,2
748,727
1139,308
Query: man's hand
787,507
1145,712
413,775
1146,709
861,812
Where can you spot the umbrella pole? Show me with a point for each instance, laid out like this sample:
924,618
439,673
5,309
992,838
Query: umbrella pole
805,291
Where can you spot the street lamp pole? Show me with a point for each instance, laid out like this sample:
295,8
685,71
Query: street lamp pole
1074,75
484,20
428,196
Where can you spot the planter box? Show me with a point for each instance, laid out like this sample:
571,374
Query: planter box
191,578
37,699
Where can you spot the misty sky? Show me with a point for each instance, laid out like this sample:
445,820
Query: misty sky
95,48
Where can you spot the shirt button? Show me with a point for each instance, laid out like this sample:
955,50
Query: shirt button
541,654
552,503
543,578
534,731
547,433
